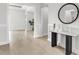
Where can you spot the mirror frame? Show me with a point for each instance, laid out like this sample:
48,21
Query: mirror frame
66,5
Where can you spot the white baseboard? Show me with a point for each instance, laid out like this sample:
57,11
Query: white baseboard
37,36
49,40
3,43
17,30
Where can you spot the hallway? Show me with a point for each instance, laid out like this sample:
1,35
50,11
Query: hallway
22,43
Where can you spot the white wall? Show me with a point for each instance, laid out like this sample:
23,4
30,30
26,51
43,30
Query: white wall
16,18
40,21
53,15
53,18
44,18
3,23
37,22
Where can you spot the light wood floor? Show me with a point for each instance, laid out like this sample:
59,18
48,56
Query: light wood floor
23,43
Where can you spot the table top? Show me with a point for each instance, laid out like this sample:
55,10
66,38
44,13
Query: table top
74,34
66,30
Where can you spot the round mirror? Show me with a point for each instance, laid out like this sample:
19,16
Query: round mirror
68,13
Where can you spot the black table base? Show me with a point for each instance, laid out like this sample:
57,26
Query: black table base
68,47
54,39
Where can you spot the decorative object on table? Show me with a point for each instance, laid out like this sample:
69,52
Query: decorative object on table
32,23
68,13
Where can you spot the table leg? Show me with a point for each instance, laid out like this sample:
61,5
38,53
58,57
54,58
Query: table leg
68,45
54,39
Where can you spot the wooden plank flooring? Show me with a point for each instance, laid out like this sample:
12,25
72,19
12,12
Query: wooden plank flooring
23,43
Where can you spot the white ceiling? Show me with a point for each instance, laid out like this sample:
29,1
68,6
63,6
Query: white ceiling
30,6
34,4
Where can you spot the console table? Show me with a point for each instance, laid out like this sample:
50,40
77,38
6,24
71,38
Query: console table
68,47
68,36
